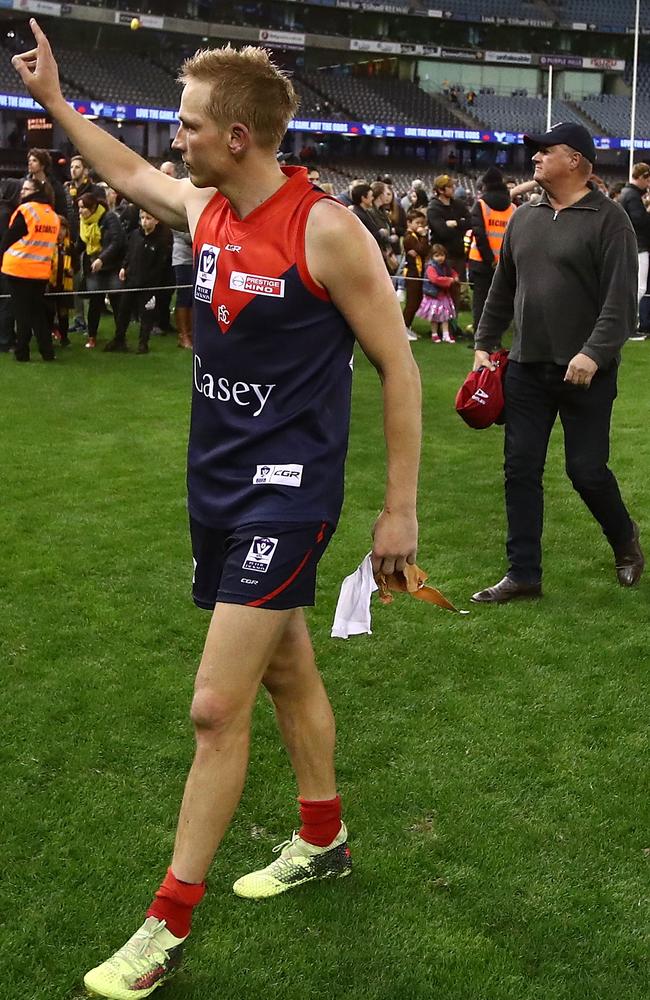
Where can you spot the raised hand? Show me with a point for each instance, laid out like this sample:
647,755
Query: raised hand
38,69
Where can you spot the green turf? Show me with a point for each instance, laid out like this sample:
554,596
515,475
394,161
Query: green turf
493,767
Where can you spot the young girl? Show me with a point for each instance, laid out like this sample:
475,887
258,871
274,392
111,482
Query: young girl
64,264
437,304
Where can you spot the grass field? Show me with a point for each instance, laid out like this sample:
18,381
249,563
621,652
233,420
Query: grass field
494,767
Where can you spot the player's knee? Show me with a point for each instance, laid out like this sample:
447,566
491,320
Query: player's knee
213,713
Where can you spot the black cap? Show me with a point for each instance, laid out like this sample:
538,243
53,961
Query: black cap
565,133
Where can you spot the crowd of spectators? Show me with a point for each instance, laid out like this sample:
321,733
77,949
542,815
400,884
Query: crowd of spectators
412,226
106,249
71,244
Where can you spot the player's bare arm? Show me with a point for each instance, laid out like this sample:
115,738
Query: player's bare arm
175,202
343,257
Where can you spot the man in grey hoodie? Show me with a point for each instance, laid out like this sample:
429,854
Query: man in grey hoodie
567,278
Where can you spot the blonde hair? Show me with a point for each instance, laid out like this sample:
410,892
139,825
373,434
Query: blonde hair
246,87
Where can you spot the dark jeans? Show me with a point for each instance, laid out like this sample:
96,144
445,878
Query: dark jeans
7,320
481,281
30,310
133,304
535,394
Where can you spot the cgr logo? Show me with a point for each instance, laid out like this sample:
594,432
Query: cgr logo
280,475
260,554
206,272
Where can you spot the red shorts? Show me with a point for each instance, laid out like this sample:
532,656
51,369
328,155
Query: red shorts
258,565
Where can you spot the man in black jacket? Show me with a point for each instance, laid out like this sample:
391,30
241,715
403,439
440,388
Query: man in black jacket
448,220
362,204
567,276
631,199
147,261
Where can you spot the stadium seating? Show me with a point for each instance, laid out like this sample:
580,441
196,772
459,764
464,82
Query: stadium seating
612,113
519,114
380,100
603,13
480,9
118,76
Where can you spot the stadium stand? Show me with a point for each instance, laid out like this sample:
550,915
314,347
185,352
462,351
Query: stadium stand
479,9
612,114
602,13
519,114
389,100
118,76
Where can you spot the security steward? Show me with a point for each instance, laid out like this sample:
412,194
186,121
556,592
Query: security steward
28,248
490,216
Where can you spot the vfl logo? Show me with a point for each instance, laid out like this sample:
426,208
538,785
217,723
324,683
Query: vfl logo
481,396
282,475
206,272
260,554
257,284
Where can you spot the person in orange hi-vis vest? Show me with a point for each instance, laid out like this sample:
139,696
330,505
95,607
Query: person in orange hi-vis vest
490,216
28,248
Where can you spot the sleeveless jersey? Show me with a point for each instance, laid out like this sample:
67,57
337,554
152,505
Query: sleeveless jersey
272,369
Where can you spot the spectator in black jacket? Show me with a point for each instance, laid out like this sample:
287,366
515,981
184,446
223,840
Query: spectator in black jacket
566,280
101,244
10,194
79,184
146,264
39,168
448,221
362,205
631,199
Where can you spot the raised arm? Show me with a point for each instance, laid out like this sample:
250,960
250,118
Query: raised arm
167,199
342,256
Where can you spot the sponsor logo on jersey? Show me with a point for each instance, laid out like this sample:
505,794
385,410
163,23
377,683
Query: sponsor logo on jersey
260,554
283,475
243,394
233,248
206,272
257,284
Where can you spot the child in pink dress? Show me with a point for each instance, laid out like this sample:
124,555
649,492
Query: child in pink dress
437,305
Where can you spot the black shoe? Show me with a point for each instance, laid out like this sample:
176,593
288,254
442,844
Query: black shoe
506,590
629,560
143,347
117,345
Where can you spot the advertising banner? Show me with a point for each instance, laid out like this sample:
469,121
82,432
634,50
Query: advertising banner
37,7
372,45
282,39
513,58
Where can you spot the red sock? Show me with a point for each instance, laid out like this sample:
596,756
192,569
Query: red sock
174,903
321,821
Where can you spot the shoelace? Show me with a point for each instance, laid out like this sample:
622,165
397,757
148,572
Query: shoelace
285,860
137,951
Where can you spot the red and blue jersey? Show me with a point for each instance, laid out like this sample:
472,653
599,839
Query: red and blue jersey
272,369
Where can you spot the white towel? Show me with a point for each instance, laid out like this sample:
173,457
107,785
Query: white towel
352,615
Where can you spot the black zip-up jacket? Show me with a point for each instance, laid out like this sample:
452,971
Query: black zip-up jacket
451,237
631,200
568,279
147,258
112,239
